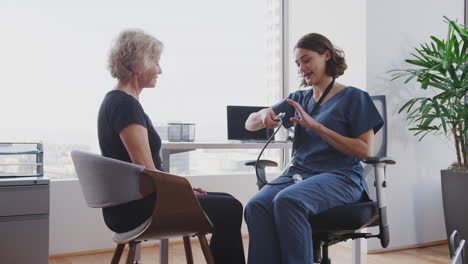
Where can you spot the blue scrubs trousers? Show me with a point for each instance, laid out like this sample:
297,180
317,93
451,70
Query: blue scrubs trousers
277,216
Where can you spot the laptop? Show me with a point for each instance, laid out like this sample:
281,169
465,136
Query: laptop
236,117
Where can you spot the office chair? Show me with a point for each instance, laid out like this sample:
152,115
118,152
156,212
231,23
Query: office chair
328,226
457,248
107,182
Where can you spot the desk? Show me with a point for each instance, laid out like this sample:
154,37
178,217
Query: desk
169,148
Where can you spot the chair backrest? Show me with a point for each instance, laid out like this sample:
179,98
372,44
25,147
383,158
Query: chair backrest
106,182
380,139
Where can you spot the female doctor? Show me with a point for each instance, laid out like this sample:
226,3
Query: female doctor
334,129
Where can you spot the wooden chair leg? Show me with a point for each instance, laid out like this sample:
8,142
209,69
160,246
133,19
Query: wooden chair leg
131,252
188,250
206,249
164,251
117,253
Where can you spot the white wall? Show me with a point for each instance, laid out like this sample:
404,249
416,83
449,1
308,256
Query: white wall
74,227
343,22
415,211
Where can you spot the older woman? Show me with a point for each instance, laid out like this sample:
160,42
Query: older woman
126,133
334,129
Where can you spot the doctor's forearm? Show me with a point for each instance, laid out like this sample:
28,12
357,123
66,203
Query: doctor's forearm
350,146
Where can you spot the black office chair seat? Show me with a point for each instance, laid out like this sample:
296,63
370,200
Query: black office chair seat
346,218
339,224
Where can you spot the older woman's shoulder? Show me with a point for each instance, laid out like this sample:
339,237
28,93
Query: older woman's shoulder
120,99
118,96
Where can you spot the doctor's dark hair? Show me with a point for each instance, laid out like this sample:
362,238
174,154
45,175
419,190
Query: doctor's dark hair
336,65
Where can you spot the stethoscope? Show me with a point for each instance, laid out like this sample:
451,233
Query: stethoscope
297,134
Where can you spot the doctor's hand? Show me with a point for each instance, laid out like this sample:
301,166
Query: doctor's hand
305,119
269,119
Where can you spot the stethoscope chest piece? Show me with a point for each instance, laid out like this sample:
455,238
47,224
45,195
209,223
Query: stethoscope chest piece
297,178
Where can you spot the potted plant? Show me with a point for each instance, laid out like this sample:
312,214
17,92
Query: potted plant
442,66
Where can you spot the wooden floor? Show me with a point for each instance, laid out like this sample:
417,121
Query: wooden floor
339,254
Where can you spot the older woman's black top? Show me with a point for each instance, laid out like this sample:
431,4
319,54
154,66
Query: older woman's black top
119,110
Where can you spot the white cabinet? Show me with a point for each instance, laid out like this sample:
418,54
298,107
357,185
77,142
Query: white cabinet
24,206
24,221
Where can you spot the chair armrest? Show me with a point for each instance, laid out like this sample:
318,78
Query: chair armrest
262,163
375,160
177,209
380,183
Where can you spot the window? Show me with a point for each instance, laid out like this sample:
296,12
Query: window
54,72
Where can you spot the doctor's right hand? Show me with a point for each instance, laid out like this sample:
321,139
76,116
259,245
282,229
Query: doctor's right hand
305,119
269,119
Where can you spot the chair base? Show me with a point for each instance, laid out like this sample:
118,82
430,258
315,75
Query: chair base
133,256
322,241
321,256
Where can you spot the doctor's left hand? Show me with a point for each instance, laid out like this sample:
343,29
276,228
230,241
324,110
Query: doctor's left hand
305,119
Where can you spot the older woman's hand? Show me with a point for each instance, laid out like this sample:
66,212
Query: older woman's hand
199,191
305,119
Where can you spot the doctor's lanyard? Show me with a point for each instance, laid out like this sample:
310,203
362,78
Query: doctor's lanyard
295,177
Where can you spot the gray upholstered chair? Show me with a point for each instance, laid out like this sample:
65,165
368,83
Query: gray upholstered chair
107,182
457,248
342,223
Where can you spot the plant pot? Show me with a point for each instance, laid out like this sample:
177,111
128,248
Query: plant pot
454,195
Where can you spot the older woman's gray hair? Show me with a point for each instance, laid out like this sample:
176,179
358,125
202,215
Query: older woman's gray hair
132,49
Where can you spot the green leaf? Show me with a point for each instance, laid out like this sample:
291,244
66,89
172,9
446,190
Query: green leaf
425,109
444,125
453,75
419,63
449,39
428,121
440,43
409,104
434,52
434,47
413,115
424,55
399,75
457,28
424,85
421,138
419,57
449,46
456,51
464,74
464,49
410,78
438,60
442,86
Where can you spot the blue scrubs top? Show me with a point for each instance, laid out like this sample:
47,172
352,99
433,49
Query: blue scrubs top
351,112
